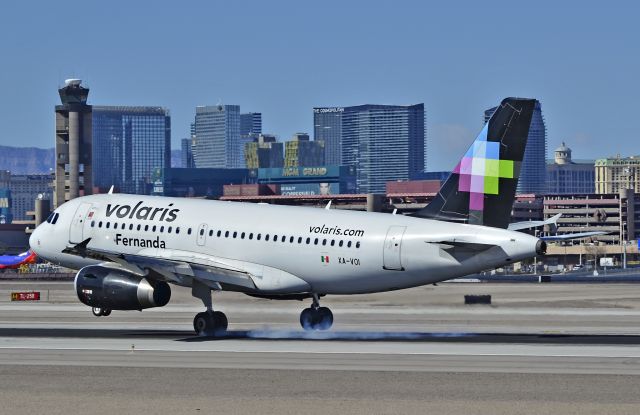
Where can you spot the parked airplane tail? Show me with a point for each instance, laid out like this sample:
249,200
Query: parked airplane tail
482,187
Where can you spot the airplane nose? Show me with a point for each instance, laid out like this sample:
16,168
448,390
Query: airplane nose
34,240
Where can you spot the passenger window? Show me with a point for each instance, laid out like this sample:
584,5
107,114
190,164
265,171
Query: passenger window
219,233
358,244
124,225
308,241
266,238
251,235
242,235
107,225
315,242
139,227
131,226
153,229
93,223
235,234
349,244
333,242
226,234
100,224
202,232
299,239
177,230
291,240
259,236
161,229
146,228
284,238
169,229
211,232
340,244
324,242
275,237
189,231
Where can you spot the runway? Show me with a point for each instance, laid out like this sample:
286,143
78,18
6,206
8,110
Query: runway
554,349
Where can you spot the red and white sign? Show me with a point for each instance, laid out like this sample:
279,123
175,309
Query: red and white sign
25,296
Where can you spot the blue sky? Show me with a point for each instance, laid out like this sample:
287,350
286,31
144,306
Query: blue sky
281,58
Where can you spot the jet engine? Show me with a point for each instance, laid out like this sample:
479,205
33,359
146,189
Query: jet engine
109,288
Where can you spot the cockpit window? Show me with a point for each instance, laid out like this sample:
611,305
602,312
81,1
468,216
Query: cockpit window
55,218
50,217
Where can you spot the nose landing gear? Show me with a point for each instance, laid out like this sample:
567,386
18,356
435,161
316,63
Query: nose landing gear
100,312
316,317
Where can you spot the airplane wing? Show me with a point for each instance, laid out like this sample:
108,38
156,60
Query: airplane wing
180,267
568,236
516,226
174,267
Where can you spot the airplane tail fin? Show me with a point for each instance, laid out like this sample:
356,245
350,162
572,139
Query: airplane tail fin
482,187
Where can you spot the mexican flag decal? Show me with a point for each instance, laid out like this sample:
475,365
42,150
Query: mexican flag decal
324,259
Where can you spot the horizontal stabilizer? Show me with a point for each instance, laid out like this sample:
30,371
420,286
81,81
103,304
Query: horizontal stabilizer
569,236
533,223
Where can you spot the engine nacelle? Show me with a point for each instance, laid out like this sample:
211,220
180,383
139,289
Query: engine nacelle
98,286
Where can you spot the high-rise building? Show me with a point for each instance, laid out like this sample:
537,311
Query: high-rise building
615,174
568,176
129,143
73,175
384,143
22,190
533,171
218,143
186,153
250,123
327,127
300,152
264,152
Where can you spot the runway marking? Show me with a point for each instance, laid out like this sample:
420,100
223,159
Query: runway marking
460,353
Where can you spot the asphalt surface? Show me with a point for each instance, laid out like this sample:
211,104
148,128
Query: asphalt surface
537,349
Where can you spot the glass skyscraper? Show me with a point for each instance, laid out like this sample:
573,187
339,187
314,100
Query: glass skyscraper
129,143
327,127
384,143
533,174
218,143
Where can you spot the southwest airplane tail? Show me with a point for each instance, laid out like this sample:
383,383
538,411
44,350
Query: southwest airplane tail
482,187
15,261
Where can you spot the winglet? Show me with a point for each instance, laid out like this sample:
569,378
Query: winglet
328,206
110,190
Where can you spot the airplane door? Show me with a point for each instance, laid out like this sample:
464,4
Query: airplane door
392,257
77,223
202,234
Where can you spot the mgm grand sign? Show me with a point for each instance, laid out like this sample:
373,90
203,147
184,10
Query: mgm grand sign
304,171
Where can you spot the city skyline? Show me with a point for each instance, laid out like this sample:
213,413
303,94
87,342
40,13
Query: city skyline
443,55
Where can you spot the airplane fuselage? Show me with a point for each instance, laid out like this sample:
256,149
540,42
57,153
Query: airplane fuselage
284,249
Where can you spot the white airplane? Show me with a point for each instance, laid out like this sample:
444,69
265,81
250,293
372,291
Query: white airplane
129,248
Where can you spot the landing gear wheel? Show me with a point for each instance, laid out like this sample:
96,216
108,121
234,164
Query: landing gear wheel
220,322
320,318
325,318
97,311
106,312
210,323
203,323
308,319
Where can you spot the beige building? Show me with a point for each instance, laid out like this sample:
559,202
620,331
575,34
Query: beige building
615,174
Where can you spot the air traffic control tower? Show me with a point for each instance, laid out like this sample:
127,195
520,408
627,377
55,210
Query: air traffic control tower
73,143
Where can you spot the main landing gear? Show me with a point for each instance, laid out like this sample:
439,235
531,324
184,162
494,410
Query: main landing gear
100,312
207,323
316,317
